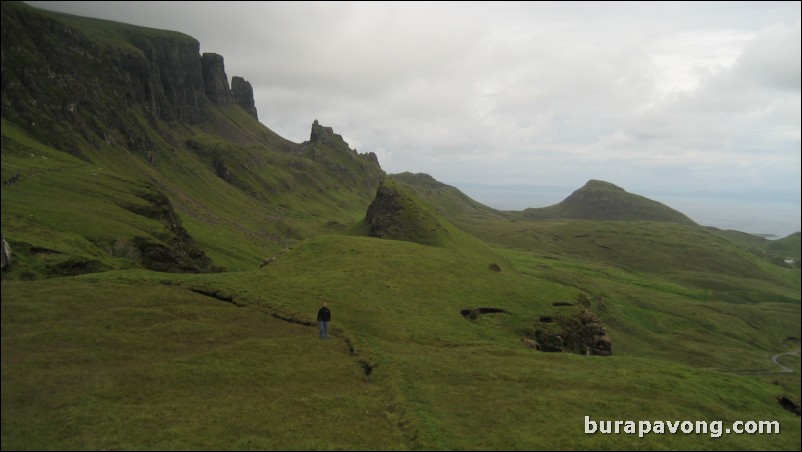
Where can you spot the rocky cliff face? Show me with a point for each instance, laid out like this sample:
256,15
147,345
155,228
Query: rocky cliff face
242,92
142,108
166,77
60,81
215,80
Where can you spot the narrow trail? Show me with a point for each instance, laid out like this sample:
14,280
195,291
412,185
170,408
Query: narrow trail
775,360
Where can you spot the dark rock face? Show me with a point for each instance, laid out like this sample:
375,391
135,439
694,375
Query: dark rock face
242,92
325,135
171,78
62,87
381,212
56,82
177,252
215,79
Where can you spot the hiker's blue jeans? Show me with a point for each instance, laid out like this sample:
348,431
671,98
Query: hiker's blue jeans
324,329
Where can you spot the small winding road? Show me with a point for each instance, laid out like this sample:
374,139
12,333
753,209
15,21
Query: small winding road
775,360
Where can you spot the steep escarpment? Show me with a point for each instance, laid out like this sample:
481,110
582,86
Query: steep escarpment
242,91
95,110
81,81
215,79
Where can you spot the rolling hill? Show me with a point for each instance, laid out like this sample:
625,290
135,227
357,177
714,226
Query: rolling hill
599,200
169,252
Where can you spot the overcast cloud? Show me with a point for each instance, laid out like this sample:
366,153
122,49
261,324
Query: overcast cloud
673,98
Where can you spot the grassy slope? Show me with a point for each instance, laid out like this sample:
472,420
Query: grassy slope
787,247
149,366
399,213
149,356
449,201
133,359
283,203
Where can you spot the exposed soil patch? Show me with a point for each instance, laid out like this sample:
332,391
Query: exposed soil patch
40,250
789,405
290,319
473,313
74,267
367,367
217,295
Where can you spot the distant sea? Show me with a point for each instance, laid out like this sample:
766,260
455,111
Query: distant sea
769,218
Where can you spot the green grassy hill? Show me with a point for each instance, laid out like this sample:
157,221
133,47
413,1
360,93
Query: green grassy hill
449,201
169,253
789,246
599,200
783,252
398,213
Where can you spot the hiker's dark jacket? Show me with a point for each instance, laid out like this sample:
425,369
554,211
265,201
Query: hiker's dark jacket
324,315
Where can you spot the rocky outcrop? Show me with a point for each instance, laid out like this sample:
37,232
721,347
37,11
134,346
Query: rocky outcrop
372,158
242,92
325,135
175,251
330,149
381,217
577,332
397,213
215,80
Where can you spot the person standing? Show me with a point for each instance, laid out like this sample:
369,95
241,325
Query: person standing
323,319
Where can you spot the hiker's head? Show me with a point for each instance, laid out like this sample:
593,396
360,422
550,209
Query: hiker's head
325,303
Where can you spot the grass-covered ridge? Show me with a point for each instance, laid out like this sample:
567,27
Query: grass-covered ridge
166,273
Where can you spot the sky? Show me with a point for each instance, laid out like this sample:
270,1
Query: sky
675,101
